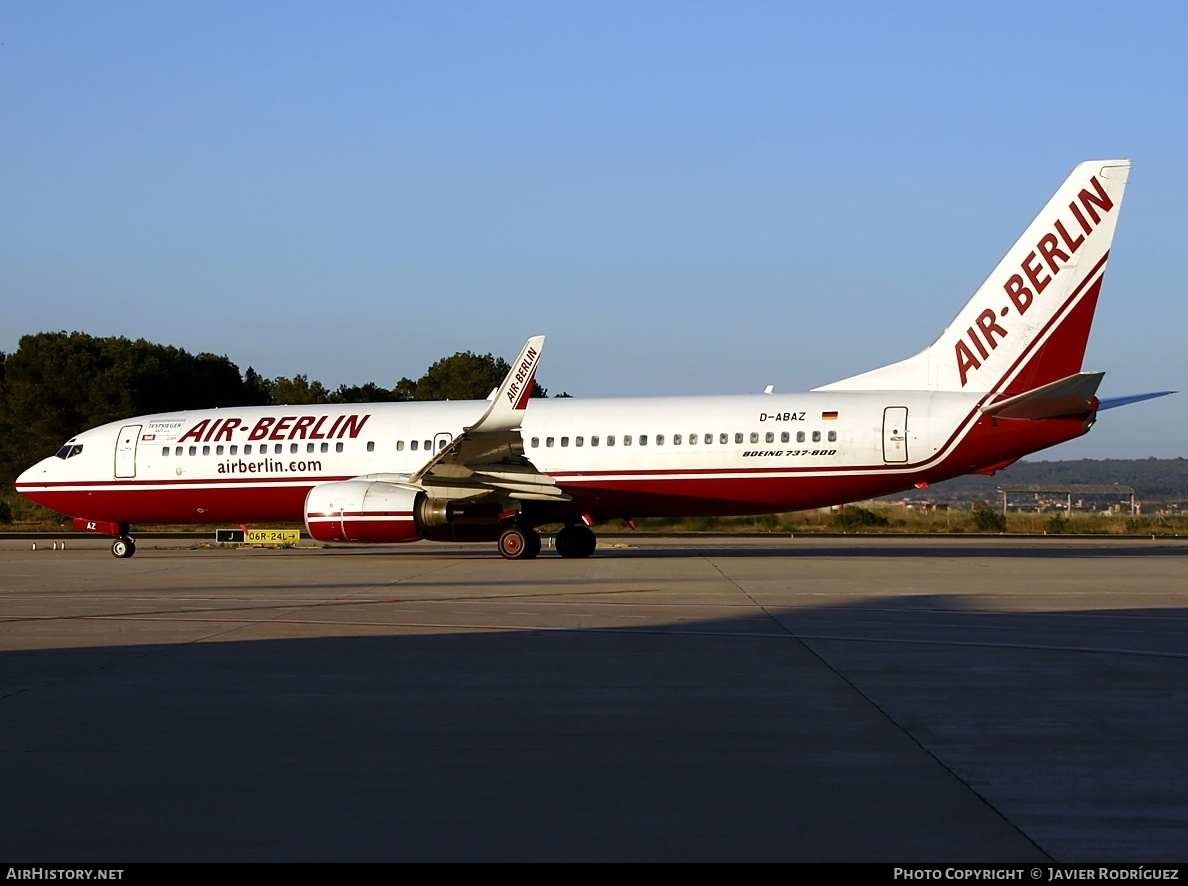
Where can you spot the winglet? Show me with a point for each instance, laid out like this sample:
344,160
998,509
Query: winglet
511,399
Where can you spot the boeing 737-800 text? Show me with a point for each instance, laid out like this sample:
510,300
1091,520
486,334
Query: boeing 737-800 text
1003,380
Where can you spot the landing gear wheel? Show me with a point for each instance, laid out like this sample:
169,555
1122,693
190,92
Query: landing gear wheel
533,543
575,542
519,543
123,547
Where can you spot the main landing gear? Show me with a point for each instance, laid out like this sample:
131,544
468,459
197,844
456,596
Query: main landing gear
575,541
519,543
523,542
123,547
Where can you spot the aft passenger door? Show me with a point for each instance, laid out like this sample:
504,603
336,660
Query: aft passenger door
125,452
895,434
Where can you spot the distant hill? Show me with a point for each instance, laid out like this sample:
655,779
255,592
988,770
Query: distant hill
1153,479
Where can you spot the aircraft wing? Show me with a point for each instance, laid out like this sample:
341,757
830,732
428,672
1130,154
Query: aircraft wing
489,455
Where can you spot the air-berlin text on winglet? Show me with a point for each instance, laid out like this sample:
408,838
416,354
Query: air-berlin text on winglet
523,379
1038,269
288,427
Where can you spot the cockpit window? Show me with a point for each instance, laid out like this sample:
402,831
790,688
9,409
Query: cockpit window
70,450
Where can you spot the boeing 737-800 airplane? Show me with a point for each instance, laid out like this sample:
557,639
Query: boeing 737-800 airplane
1003,380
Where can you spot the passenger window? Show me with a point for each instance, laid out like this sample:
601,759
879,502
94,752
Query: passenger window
165,450
659,439
428,445
326,446
738,437
594,441
193,450
833,436
413,445
676,439
371,446
247,449
309,447
536,442
816,436
178,450
800,436
548,441
235,450
785,436
626,439
218,450
610,439
754,436
692,439
279,448
643,439
564,441
206,450
293,447
338,446
579,441
399,446
770,437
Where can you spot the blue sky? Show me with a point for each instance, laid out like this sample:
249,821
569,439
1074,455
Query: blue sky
685,197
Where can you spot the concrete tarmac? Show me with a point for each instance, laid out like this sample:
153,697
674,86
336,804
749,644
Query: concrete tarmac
849,699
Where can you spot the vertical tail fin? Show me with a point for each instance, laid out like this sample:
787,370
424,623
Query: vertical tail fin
1028,324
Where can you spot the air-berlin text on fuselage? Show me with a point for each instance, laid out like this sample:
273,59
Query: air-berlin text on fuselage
1037,270
288,427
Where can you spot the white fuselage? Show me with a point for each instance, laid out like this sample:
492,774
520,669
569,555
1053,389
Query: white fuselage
614,457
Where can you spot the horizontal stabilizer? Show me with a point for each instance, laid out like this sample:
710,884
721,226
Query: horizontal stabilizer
1111,402
1073,395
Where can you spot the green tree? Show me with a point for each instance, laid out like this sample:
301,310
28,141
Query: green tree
368,393
406,389
257,387
57,384
298,390
466,376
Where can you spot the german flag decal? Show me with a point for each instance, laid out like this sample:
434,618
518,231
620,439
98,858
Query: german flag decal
828,416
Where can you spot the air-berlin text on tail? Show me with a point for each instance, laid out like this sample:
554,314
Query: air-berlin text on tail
520,389
288,427
1036,272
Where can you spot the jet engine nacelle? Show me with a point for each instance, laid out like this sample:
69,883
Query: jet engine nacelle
364,511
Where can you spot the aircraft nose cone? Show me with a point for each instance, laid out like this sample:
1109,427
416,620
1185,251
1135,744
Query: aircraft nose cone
31,475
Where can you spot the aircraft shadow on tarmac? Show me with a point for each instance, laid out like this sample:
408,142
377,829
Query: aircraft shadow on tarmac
897,729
